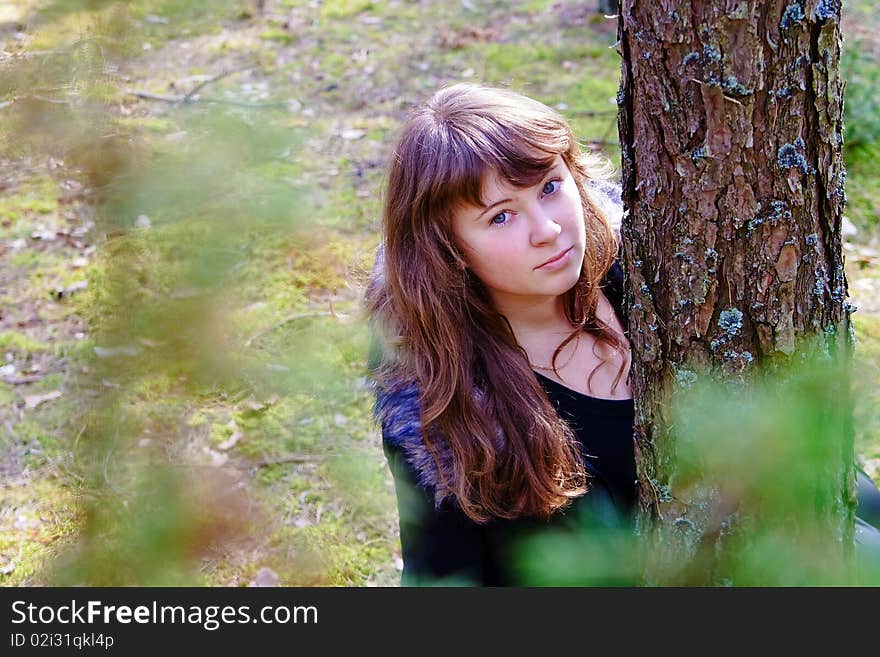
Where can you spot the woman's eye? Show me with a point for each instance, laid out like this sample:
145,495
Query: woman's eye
499,219
550,187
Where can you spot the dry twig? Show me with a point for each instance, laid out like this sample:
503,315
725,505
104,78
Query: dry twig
287,320
189,96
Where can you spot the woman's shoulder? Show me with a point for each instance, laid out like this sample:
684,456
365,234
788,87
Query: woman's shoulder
398,410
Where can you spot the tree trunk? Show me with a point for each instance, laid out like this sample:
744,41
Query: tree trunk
731,131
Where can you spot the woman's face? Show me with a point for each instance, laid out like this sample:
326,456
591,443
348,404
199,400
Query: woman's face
527,244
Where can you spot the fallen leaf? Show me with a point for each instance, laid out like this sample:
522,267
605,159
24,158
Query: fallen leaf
45,540
81,231
32,401
44,235
217,459
265,577
351,135
70,289
230,442
24,523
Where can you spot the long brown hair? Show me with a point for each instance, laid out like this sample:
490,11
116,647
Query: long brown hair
511,454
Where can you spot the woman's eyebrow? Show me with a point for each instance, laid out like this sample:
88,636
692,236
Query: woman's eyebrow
552,171
489,207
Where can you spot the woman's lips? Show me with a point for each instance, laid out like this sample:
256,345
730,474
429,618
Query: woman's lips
557,259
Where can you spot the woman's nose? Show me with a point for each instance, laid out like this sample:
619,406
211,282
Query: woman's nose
544,229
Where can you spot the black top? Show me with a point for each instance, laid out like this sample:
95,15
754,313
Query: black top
604,428
444,546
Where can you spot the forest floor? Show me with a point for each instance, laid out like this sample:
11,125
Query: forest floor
300,100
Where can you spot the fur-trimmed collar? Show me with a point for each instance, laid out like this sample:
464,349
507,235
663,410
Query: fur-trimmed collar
399,412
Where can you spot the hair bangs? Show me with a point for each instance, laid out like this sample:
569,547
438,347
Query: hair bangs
518,157
463,175
521,161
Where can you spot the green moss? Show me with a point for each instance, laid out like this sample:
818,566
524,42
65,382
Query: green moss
25,260
288,427
185,18
15,341
152,124
51,274
272,474
863,185
334,64
340,9
866,383
25,203
359,480
280,36
46,431
43,518
328,554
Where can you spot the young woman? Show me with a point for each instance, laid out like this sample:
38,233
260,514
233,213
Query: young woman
502,372
502,379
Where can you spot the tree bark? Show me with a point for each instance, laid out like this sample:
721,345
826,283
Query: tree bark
730,120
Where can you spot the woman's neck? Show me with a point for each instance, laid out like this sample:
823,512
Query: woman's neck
536,317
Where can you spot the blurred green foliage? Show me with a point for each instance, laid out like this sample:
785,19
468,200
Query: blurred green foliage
214,417
180,212
759,463
772,455
862,103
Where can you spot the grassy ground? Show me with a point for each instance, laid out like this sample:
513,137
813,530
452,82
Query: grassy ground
179,325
